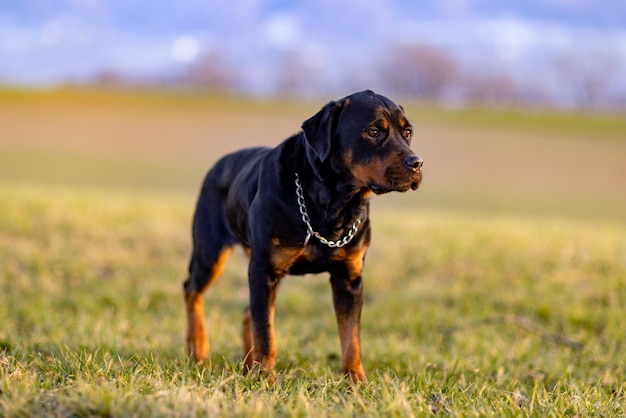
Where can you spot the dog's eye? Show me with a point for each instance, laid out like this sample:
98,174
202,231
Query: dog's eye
408,133
373,133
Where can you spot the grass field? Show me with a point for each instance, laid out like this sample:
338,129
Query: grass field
499,289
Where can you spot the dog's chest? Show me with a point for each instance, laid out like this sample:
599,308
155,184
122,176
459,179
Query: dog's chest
312,259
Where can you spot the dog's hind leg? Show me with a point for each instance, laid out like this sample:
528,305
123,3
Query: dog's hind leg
212,245
199,280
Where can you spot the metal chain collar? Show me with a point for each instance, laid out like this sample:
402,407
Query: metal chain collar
311,232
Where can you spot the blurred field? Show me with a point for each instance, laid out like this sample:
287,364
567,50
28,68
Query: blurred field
498,289
476,160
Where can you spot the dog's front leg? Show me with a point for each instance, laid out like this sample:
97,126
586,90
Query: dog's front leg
348,301
263,287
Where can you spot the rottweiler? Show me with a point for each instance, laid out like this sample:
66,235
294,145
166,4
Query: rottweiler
301,207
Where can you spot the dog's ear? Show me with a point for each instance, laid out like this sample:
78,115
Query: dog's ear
318,130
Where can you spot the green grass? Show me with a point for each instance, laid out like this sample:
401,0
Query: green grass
497,289
464,315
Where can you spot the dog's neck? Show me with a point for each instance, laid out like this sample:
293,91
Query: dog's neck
339,204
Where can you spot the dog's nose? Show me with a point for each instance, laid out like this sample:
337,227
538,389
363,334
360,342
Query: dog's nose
413,162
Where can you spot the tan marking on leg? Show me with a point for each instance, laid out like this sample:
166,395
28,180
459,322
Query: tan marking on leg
248,347
283,258
266,361
351,349
353,259
218,267
197,341
253,359
348,321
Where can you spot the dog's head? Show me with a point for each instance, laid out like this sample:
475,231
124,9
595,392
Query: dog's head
367,136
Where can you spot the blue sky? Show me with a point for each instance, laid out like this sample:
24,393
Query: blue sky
45,42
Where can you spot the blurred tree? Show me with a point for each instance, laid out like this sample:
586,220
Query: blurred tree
296,75
490,89
588,77
211,71
419,71
110,78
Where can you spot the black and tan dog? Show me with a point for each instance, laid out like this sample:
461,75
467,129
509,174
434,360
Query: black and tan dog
300,208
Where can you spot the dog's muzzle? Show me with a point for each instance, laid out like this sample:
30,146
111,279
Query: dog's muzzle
414,163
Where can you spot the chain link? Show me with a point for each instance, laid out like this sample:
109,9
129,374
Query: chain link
311,232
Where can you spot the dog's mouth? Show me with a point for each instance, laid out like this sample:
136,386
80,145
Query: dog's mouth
402,186
413,185
378,189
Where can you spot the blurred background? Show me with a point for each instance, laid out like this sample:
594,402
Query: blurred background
557,53
519,106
